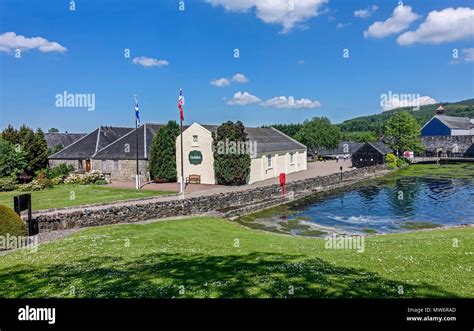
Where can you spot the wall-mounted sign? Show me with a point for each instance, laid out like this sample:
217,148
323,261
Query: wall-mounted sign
195,157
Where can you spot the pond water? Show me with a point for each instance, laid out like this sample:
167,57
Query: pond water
422,196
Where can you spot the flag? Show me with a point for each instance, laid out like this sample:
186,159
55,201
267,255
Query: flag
180,105
136,111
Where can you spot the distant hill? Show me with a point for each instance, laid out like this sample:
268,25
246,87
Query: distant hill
374,123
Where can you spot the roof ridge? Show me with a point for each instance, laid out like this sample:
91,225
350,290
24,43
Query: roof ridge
65,148
116,140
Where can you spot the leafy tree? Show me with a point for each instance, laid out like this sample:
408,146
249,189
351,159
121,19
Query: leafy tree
36,150
230,166
55,149
53,130
289,129
13,161
319,132
402,132
163,153
23,132
10,135
360,136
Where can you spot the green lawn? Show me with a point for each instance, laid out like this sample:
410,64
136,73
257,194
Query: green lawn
74,195
210,257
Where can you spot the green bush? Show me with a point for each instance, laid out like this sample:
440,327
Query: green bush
84,179
7,184
231,168
34,185
401,162
61,170
391,161
101,182
45,182
11,223
163,153
57,180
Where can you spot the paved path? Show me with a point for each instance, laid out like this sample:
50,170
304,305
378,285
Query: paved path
315,169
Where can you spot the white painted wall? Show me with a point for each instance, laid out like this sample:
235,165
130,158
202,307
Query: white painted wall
259,169
204,145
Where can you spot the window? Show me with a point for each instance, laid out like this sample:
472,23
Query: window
269,161
80,165
116,165
195,141
292,158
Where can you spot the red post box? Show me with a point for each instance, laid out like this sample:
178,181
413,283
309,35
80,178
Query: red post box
282,182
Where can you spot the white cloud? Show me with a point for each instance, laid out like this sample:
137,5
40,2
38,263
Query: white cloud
288,14
224,81
220,82
364,13
400,20
442,26
290,103
409,100
342,25
468,54
243,98
240,78
148,62
10,41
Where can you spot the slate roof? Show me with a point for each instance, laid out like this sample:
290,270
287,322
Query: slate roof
87,146
125,148
269,140
65,139
352,147
380,147
470,151
452,122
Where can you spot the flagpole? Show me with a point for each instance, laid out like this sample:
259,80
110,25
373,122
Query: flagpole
182,159
137,176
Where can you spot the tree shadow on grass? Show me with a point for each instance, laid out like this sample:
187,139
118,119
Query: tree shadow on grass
162,275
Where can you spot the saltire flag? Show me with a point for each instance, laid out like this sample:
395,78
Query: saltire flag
137,115
181,104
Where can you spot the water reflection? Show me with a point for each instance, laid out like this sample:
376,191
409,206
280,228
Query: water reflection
389,205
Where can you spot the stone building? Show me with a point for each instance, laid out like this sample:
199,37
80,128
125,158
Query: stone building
119,159
271,152
447,135
113,151
80,152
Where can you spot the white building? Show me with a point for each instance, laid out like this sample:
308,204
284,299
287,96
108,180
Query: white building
271,151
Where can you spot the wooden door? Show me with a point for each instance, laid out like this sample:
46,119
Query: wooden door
88,165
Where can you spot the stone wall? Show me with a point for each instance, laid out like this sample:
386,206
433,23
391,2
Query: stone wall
74,163
122,170
453,144
223,202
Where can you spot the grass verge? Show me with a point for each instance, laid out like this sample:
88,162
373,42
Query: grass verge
75,195
210,257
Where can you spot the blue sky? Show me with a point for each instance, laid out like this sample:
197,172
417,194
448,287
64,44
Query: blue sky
281,54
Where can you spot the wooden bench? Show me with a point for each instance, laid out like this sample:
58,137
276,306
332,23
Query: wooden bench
193,179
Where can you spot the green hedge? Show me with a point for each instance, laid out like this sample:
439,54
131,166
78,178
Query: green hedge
11,223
